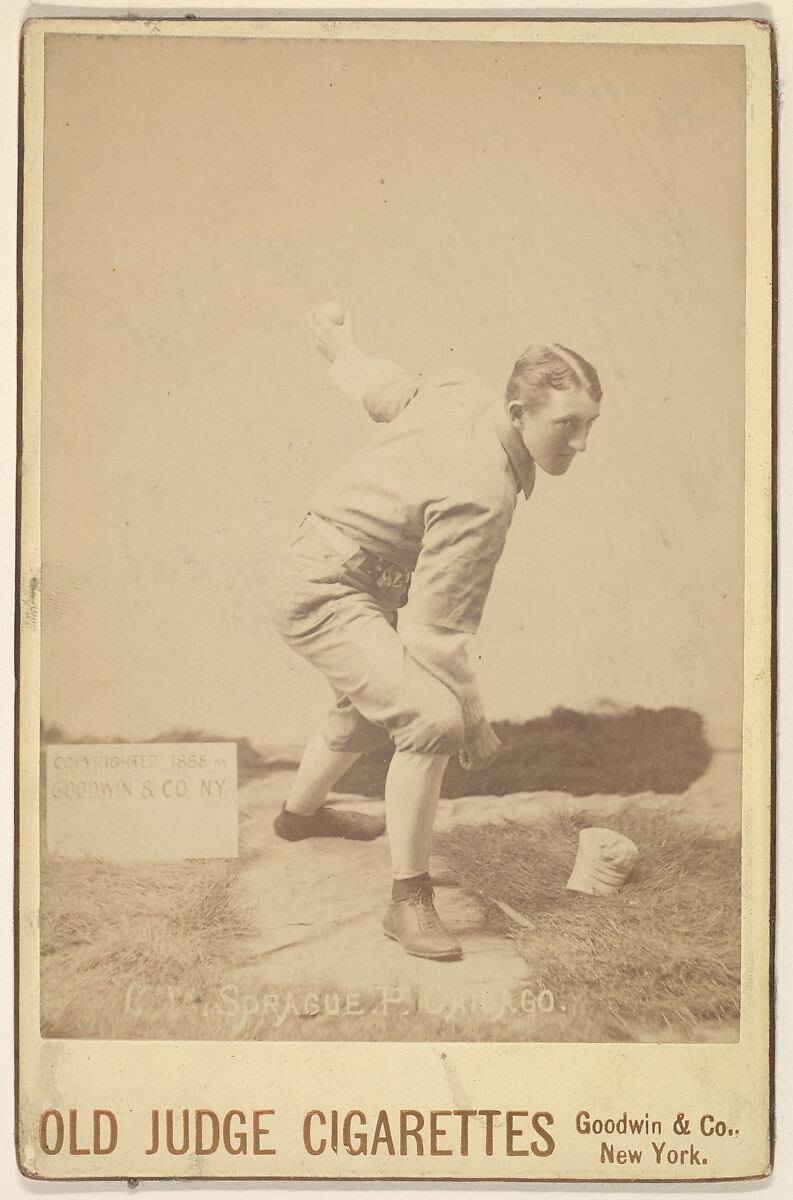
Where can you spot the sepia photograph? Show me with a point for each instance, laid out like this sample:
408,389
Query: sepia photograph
393,547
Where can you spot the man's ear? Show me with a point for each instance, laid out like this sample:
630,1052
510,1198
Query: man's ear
516,412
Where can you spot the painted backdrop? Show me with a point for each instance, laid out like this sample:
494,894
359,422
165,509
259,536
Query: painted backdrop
463,199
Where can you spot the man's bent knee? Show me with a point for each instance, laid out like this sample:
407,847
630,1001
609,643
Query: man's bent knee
435,730
345,729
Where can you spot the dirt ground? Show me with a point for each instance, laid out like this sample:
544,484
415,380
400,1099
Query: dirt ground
317,905
286,941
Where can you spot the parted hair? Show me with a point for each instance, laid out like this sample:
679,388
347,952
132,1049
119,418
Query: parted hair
541,367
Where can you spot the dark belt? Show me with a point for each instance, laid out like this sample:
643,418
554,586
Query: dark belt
388,577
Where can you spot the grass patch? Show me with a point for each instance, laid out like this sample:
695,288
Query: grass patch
155,951
137,951
113,933
584,754
158,951
660,957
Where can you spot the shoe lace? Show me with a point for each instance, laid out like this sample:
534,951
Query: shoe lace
428,916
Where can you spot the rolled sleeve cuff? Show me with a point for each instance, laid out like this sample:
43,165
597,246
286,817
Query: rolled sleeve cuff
442,651
473,712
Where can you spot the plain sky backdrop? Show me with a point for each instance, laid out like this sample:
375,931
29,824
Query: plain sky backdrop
463,199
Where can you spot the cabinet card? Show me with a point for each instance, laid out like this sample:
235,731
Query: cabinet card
395,600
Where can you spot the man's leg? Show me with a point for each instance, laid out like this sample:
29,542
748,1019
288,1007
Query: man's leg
320,767
412,790
362,656
304,814
411,798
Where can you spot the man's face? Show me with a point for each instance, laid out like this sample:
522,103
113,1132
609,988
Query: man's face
556,431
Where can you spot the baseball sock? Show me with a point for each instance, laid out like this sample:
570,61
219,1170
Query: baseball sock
412,790
402,888
320,767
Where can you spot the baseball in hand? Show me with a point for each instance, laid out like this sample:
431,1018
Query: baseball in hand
332,327
331,312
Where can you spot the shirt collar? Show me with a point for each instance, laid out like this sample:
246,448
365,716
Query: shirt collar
520,460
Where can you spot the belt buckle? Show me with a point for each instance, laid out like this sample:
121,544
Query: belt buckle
391,581
389,576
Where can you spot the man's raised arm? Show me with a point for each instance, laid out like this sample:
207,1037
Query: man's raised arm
383,388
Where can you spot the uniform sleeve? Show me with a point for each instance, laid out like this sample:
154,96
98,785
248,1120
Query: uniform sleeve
443,652
462,542
383,388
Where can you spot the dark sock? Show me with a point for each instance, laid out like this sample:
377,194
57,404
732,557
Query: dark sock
402,888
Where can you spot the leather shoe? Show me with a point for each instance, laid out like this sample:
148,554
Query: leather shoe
328,822
414,923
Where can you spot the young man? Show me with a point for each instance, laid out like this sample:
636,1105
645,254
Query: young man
422,512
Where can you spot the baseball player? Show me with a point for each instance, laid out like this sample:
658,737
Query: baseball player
422,512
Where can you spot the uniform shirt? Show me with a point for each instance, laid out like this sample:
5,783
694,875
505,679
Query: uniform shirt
435,492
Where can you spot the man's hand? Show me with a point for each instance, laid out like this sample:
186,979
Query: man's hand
332,328
480,746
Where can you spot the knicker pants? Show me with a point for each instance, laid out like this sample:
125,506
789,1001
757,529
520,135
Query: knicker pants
333,615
